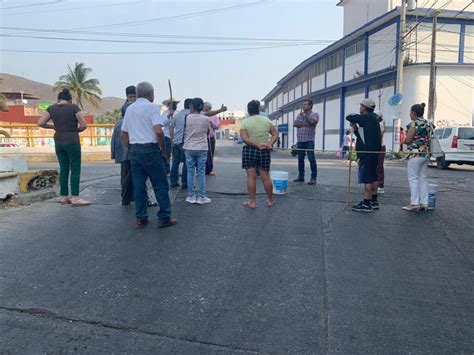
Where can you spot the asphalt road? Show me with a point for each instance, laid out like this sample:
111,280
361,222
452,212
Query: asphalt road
307,275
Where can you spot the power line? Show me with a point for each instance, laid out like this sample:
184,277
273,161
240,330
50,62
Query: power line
144,35
29,5
156,52
158,42
73,8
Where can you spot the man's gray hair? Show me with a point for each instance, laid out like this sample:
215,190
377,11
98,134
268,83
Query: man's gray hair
144,89
208,104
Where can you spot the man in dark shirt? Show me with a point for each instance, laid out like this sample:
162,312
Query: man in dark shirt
369,139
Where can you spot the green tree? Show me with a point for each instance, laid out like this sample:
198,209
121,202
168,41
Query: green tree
109,116
80,86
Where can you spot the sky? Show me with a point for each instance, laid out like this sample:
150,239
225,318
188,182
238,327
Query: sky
118,36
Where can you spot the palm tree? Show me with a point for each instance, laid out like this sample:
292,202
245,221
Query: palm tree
3,100
81,87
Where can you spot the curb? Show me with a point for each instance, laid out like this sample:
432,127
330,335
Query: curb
29,198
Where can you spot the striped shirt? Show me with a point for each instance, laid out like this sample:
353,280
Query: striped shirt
307,132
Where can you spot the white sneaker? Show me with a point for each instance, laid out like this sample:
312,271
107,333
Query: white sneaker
191,199
380,190
203,200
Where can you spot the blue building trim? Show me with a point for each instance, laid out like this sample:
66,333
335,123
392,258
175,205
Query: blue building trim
462,39
366,54
324,124
342,105
343,65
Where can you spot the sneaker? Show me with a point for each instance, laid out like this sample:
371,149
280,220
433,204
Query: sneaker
375,205
411,208
362,207
299,179
312,182
191,199
152,204
380,190
203,200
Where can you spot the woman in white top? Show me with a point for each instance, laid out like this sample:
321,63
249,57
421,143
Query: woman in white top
196,128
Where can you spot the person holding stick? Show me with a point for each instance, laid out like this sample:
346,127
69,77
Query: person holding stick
369,142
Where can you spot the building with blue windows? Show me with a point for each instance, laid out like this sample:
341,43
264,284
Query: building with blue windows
364,64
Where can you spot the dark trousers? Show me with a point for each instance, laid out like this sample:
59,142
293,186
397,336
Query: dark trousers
213,146
311,158
126,181
380,169
168,154
178,157
69,158
146,163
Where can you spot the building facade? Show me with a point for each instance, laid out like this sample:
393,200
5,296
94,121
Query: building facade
364,64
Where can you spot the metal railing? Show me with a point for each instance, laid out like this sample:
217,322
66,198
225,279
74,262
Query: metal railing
30,134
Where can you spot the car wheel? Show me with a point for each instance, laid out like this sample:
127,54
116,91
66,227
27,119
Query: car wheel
441,163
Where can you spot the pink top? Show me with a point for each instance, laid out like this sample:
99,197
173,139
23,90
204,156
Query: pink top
215,124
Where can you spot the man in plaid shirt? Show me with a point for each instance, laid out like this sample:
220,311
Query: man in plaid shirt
305,124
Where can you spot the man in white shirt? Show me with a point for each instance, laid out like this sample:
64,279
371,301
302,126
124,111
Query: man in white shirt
142,131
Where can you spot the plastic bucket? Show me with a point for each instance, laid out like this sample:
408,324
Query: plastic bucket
432,190
280,182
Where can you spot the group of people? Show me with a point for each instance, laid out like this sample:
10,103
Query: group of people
369,129
144,138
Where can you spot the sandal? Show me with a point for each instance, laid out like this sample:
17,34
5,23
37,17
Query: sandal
64,200
250,204
79,202
270,203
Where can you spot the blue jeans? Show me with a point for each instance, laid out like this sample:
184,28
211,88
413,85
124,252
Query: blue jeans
311,158
178,157
146,163
198,157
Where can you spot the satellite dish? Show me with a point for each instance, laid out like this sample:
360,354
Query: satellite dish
395,100
25,101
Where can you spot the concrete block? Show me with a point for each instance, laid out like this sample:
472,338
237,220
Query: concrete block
16,164
8,185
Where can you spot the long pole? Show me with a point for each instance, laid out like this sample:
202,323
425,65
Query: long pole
399,80
432,89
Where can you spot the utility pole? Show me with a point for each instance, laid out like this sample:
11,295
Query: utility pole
432,89
399,80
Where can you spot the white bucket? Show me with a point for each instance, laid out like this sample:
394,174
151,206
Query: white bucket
432,190
280,182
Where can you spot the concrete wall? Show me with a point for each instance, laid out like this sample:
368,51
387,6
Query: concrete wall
353,65
333,117
317,83
455,93
319,128
358,12
469,45
382,53
334,76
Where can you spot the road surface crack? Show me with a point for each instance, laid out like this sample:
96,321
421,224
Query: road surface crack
45,313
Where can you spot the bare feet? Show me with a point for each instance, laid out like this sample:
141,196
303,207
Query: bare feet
270,203
250,204
64,200
76,201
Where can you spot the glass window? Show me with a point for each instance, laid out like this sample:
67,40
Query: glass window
334,61
466,133
439,133
447,133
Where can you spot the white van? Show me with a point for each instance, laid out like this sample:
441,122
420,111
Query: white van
457,146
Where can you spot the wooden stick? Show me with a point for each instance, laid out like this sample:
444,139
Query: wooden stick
349,175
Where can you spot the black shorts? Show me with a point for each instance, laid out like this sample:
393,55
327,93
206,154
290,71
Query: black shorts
368,169
252,157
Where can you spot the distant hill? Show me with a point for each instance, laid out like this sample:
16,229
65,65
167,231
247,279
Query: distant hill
46,94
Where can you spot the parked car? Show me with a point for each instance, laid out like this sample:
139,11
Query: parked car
456,144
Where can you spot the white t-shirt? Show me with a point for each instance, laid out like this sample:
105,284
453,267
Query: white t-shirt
139,120
166,125
195,133
347,140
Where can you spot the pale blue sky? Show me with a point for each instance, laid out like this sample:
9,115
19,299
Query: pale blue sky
220,77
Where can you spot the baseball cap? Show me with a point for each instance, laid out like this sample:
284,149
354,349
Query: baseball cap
369,103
